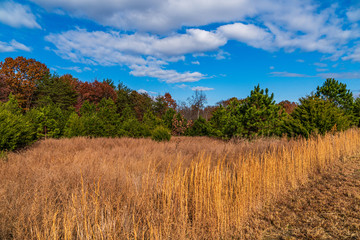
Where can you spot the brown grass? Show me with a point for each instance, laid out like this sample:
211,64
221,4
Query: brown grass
188,188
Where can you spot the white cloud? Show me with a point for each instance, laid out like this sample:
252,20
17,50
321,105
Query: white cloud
142,91
80,42
354,55
353,14
169,76
195,62
17,15
300,60
154,15
266,24
322,69
320,64
247,33
182,86
341,75
13,46
288,74
142,53
220,55
271,67
75,68
198,88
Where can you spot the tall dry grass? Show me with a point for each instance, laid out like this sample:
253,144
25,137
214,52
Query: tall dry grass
188,188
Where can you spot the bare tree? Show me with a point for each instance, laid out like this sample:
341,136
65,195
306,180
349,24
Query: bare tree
197,102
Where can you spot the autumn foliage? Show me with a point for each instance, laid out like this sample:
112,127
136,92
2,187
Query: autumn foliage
21,76
64,106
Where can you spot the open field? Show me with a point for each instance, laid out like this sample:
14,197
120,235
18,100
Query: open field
327,207
188,188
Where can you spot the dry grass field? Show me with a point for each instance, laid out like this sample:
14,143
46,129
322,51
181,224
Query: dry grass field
188,188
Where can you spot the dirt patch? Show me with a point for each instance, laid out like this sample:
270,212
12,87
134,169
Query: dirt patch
328,207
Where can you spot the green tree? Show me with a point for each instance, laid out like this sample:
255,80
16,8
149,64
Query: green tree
168,118
315,115
110,119
337,93
151,120
257,115
74,126
49,120
56,90
357,111
15,130
200,127
219,120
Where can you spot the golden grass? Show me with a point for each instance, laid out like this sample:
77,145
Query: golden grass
188,188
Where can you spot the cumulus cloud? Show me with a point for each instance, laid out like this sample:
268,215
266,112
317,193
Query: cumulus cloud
198,88
154,15
124,45
266,24
247,33
142,53
17,15
168,76
13,46
279,24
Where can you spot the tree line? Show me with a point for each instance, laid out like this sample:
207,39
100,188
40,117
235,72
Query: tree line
36,104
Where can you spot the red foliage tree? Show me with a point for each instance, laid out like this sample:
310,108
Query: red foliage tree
4,89
288,106
171,103
95,91
21,76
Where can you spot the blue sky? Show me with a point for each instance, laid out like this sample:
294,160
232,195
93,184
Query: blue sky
224,48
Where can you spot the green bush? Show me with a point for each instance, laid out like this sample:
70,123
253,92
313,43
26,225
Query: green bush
316,116
74,126
134,128
15,130
161,134
200,128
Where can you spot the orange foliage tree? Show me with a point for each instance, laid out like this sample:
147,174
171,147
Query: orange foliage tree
95,91
171,103
288,106
4,89
21,76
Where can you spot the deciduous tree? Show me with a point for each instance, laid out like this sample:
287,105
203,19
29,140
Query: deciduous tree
22,76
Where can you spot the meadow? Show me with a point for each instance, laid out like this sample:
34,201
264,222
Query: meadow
125,188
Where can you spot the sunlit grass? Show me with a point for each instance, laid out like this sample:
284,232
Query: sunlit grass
188,188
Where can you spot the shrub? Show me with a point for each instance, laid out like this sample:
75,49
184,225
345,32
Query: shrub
134,128
74,126
316,116
15,130
200,128
161,134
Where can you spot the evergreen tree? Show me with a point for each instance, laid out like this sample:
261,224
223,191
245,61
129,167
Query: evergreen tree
55,90
317,116
257,115
15,130
337,93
